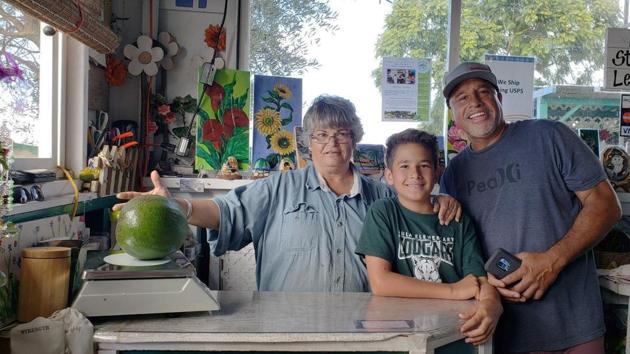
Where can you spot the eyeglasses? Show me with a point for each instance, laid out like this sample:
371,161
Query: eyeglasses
342,137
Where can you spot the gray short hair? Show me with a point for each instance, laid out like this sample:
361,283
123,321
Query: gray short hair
331,112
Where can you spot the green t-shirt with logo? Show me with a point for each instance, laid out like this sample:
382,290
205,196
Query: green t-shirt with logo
418,246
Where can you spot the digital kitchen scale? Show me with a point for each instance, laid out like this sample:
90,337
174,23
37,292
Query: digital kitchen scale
113,290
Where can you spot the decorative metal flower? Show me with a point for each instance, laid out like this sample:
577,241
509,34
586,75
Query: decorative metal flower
206,57
167,40
144,57
115,71
211,35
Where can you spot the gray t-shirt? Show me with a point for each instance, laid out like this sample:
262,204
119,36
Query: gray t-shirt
520,194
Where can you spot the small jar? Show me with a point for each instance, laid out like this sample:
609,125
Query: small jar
44,279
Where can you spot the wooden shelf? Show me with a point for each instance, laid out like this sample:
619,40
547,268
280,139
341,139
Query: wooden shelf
58,206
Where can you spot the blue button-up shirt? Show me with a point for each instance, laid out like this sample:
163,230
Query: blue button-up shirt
304,234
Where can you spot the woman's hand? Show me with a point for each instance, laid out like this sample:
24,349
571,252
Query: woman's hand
447,208
466,288
158,189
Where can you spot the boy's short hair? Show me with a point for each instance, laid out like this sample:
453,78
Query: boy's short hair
411,136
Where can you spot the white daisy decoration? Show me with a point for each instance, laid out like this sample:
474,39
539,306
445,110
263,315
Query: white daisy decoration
144,57
167,40
206,57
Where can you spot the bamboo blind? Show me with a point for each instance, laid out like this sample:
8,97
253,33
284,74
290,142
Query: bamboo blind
64,15
94,7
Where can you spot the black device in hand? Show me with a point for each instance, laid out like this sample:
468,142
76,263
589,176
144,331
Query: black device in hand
502,263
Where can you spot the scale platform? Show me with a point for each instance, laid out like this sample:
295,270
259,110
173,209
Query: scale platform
113,290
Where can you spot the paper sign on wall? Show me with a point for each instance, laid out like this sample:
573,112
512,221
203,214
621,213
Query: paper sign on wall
617,71
515,76
406,89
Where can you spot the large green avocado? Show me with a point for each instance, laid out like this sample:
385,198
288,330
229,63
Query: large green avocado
151,227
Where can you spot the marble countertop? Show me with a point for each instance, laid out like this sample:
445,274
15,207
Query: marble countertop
270,317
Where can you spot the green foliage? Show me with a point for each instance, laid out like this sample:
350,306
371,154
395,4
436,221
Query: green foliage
183,105
210,156
283,30
273,159
237,146
202,116
227,101
241,100
566,37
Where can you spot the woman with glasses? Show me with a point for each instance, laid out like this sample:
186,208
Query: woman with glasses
304,224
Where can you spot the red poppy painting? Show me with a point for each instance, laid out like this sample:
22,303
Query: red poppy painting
223,121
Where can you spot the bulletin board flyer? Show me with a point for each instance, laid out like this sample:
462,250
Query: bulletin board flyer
406,89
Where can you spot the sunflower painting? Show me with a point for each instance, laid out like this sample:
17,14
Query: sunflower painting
223,121
278,108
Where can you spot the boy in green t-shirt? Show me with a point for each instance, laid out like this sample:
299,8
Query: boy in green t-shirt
409,254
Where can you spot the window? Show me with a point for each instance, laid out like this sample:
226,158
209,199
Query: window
332,48
335,50
29,105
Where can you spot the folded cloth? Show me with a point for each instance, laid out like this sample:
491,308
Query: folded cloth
620,274
78,330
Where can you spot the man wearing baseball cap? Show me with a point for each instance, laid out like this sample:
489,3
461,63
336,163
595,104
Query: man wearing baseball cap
534,189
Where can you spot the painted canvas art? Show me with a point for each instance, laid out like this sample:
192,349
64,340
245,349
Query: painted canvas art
278,109
456,138
223,121
302,152
591,138
369,158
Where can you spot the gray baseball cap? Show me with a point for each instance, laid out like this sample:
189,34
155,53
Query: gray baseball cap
464,71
